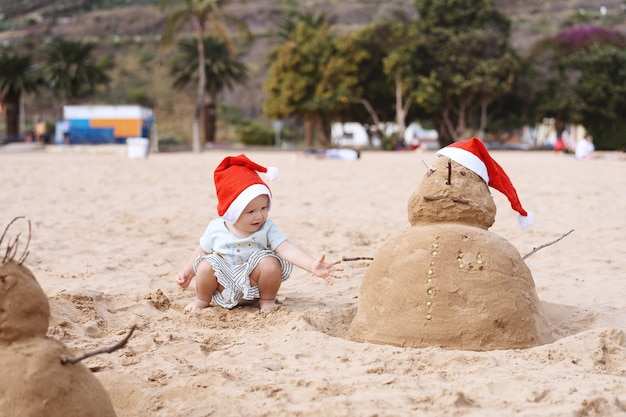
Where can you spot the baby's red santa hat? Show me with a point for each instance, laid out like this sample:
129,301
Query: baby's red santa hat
237,182
473,155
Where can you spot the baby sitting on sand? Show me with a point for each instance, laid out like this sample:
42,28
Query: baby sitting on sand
243,255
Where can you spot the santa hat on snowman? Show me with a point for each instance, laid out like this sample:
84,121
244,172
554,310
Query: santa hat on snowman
237,182
473,155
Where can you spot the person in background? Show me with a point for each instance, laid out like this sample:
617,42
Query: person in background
559,145
584,148
40,131
65,127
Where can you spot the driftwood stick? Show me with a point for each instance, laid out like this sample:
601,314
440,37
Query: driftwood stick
13,245
435,198
25,253
546,244
102,350
7,228
430,168
358,258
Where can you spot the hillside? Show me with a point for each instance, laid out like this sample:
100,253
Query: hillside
129,34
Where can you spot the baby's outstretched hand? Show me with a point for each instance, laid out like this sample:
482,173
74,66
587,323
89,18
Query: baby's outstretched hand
183,278
326,270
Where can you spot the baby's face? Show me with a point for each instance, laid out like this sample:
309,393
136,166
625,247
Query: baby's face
254,215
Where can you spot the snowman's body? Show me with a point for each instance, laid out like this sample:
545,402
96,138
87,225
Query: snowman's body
446,281
34,382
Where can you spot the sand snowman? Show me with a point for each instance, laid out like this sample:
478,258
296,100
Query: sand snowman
34,381
446,281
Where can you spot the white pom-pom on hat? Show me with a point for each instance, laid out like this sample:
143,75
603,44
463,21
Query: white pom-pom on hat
272,173
526,221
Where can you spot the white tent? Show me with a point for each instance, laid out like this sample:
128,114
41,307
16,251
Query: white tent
351,135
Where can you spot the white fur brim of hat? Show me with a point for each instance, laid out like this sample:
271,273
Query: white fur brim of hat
467,159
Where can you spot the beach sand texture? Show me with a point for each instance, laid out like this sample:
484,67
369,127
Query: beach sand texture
109,234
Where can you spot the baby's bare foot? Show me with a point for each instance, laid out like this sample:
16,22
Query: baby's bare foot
267,305
197,304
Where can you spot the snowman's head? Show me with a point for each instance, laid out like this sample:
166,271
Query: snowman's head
24,307
452,193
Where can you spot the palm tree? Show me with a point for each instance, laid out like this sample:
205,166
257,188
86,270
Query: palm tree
222,70
201,12
17,75
69,72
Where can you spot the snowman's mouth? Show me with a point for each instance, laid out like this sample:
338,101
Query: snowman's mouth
435,198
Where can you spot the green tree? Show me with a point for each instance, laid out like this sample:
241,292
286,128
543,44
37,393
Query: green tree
516,108
466,63
223,70
312,75
69,71
202,13
552,89
376,99
402,69
601,92
560,62
286,29
385,74
18,75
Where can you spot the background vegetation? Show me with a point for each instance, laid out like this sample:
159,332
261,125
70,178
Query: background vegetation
477,67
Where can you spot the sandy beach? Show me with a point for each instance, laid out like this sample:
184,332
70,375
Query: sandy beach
109,234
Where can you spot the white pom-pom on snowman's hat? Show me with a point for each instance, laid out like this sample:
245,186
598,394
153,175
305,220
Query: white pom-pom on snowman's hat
237,182
473,155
